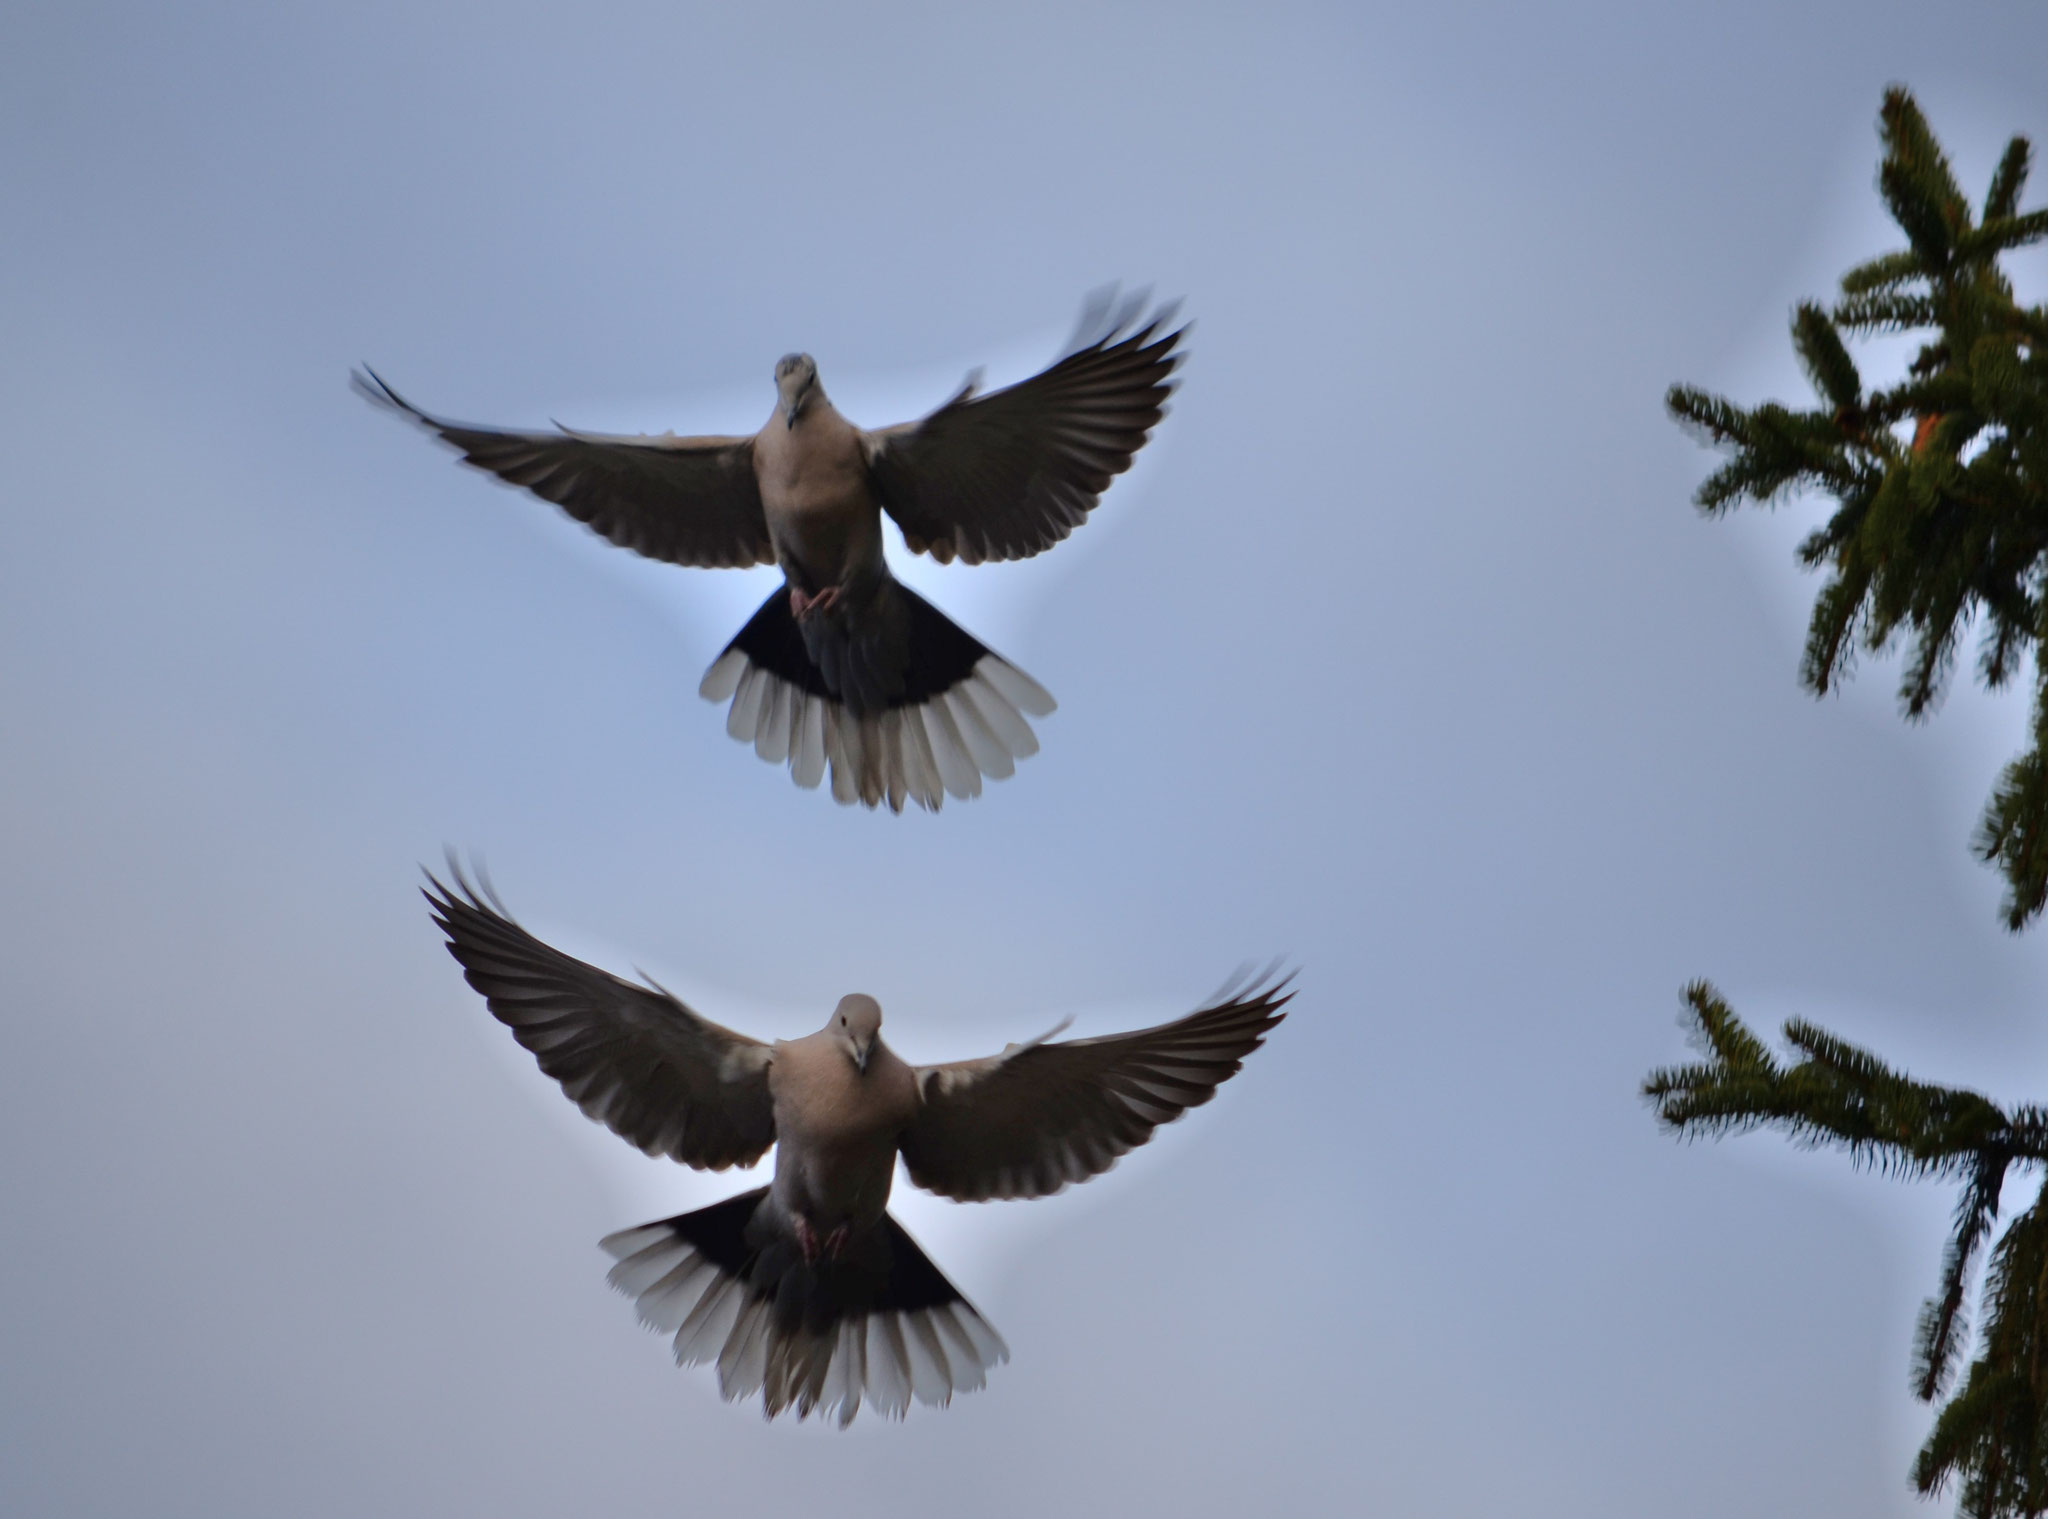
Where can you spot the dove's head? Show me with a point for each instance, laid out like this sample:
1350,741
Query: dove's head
857,1025
796,382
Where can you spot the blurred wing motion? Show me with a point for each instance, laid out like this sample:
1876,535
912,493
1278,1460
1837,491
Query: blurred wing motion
1010,474
632,1057
1038,1116
687,500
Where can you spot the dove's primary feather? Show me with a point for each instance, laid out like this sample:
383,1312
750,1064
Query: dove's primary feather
1038,1116
1009,474
632,1057
686,500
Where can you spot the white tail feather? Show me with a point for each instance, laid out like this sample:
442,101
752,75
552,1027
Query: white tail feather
745,715
942,747
885,1359
723,678
888,1369
931,1378
807,757
920,770
743,1363
988,751
1004,720
1015,687
956,767
771,738
704,1332
894,777
838,730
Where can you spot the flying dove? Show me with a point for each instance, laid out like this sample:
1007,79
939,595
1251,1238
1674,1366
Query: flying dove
846,667
806,1291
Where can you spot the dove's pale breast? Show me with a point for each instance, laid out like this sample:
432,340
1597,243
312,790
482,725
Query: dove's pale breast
814,487
836,1129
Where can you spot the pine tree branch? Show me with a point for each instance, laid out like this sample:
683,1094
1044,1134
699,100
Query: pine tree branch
1831,636
1827,362
1885,311
2000,236
1991,1430
1943,1326
2013,833
1883,272
1838,1094
2007,180
1917,183
1923,541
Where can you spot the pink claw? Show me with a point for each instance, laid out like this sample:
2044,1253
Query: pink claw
803,605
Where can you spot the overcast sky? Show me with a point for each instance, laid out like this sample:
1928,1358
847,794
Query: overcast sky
1401,653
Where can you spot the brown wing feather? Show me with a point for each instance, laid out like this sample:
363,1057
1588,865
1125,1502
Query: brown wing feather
632,1057
686,500
1027,1122
1009,474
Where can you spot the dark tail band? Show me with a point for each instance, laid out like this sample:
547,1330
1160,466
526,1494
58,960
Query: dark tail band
881,1323
929,720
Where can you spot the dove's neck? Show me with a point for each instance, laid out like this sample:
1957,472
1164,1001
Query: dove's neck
796,405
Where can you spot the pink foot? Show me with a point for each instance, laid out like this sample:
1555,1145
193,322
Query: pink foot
809,606
807,1241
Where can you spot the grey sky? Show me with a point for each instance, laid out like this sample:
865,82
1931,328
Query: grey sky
1401,652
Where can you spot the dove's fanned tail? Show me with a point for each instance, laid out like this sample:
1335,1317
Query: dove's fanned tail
897,702
878,1324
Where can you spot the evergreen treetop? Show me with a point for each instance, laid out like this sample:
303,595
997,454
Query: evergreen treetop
1942,517
1941,479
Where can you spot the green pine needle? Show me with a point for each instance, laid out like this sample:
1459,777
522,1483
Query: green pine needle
2003,198
1941,523
1941,479
1837,1094
1827,362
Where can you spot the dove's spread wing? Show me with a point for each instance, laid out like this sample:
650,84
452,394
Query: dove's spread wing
632,1057
687,500
1028,1121
1009,474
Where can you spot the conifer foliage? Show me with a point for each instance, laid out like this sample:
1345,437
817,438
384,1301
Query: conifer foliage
1942,519
1991,1432
1941,480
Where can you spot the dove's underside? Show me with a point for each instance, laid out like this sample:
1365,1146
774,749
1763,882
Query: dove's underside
846,671
806,1291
